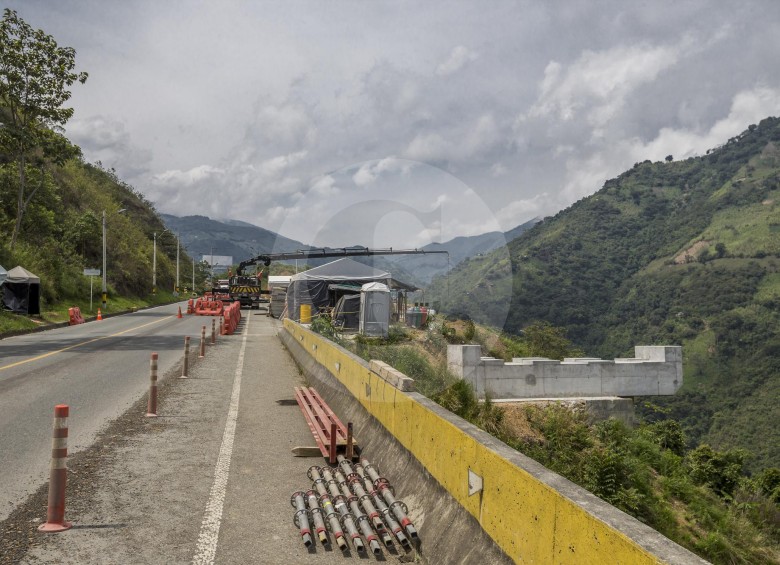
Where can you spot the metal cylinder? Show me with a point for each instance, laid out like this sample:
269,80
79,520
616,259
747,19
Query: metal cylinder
318,517
336,507
399,509
58,473
356,486
333,439
323,479
151,405
185,368
361,517
387,515
350,446
301,517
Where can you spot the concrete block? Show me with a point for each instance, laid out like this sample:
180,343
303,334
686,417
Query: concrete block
392,376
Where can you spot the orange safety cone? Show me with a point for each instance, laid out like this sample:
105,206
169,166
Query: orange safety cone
100,315
179,314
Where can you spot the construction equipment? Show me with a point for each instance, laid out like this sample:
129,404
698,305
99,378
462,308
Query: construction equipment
327,252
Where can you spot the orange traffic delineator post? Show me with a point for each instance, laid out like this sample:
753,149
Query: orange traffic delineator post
179,314
202,353
186,367
151,406
55,513
100,315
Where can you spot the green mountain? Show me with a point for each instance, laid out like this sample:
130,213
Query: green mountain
677,252
241,240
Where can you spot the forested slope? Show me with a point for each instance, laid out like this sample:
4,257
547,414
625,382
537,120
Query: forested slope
61,233
677,252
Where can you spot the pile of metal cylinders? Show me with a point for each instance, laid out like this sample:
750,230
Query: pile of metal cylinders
352,502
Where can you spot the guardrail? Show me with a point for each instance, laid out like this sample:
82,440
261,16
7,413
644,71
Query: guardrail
532,514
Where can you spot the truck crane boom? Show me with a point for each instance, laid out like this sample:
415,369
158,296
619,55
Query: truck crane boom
326,252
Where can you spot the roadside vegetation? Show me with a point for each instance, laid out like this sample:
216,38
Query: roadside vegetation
52,202
702,498
683,252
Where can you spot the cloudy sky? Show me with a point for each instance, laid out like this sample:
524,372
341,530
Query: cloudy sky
400,123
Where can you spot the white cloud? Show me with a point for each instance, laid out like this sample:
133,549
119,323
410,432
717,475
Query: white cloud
470,140
370,171
586,174
498,170
108,141
599,81
517,211
264,118
458,58
188,178
325,186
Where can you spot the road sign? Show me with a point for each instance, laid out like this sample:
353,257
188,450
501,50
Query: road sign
92,272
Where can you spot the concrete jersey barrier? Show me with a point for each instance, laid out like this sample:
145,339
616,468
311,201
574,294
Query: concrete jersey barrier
531,513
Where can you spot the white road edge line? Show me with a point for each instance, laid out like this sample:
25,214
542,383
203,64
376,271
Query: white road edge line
212,518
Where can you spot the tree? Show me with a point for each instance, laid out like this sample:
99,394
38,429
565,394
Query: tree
35,74
545,340
669,158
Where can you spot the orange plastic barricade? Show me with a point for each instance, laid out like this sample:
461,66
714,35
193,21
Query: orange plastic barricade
74,315
232,315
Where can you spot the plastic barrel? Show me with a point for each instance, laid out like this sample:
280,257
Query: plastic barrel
306,313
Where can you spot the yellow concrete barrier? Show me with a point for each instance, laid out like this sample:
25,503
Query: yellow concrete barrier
534,515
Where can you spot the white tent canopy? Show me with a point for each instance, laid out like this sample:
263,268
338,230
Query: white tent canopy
344,269
21,275
312,286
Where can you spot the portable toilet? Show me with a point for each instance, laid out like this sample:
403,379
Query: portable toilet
375,310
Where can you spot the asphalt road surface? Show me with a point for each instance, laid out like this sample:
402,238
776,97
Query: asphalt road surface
99,369
207,481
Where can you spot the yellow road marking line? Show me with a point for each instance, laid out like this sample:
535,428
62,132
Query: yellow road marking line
50,353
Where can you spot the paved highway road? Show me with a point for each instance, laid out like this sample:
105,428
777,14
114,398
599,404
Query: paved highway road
99,369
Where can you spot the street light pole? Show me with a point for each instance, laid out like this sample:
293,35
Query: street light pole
104,289
154,265
176,290
154,262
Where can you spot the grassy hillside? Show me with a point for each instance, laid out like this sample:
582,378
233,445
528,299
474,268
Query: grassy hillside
681,252
62,234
